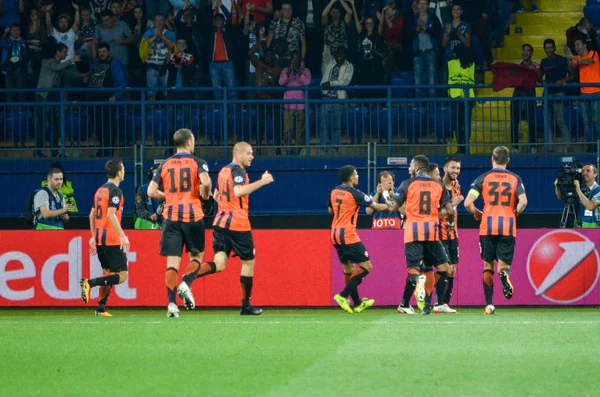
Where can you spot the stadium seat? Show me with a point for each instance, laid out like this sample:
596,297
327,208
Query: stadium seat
379,122
439,119
356,123
76,126
411,123
157,125
189,117
244,123
17,124
592,11
212,123
402,79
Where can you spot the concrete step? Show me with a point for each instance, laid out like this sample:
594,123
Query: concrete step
559,5
517,40
551,28
508,92
554,18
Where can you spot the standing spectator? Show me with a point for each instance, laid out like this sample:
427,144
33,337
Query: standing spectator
260,10
179,5
137,72
457,32
231,10
15,57
10,12
294,119
475,13
116,7
35,39
523,107
287,35
521,8
155,50
442,10
371,53
189,28
584,30
87,31
426,44
182,73
257,43
62,34
267,75
461,71
50,77
334,30
555,70
106,72
391,26
588,63
116,34
372,8
338,74
221,53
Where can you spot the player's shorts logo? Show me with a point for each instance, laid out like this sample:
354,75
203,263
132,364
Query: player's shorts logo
366,254
563,266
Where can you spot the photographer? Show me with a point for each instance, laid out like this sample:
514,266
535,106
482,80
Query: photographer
49,204
385,219
589,197
147,210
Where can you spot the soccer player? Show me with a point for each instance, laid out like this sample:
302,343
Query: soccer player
433,171
449,231
384,219
108,239
231,227
423,196
185,181
499,189
344,203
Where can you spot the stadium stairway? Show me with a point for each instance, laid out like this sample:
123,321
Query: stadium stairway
491,120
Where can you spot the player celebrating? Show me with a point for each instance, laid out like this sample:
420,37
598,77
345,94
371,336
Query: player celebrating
423,196
499,189
344,203
449,231
185,180
108,239
231,228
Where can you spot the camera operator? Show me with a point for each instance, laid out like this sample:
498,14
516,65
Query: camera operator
147,210
589,197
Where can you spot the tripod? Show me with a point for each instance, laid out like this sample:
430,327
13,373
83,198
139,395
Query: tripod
571,210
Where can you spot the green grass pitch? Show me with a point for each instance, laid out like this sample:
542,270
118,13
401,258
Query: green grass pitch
321,352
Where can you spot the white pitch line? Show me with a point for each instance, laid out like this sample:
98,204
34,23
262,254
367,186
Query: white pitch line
399,322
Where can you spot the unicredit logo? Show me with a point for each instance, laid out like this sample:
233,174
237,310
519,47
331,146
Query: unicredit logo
563,266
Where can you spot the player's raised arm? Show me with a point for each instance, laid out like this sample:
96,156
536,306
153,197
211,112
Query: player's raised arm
244,190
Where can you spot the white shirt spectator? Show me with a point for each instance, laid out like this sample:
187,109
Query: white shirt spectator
68,38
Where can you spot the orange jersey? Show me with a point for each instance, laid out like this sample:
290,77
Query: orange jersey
233,211
107,196
345,201
423,196
451,232
180,178
499,189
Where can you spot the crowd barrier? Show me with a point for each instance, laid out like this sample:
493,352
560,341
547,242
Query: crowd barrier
295,268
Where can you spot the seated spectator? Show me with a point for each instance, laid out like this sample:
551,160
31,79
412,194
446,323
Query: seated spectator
51,75
116,34
338,74
260,10
335,30
106,72
294,119
524,109
221,44
66,188
426,45
391,25
286,35
49,205
521,8
87,31
371,54
267,75
155,51
13,63
461,71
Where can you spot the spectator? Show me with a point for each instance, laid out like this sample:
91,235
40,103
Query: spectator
189,28
338,74
15,57
334,30
457,32
106,72
442,10
66,188
116,7
426,45
155,49
286,35
371,53
50,77
182,73
523,104
170,22
521,8
87,31
157,7
10,13
137,72
475,14
179,5
588,63
555,70
267,75
116,34
294,119
461,71
584,30
221,54
309,12
372,8
62,34
391,26
35,39
260,10
97,6
257,42
231,10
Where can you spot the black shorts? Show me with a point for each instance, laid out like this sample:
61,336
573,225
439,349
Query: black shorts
451,247
112,258
432,253
352,253
176,235
241,243
497,248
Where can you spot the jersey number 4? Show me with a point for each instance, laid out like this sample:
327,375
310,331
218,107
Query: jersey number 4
185,180
500,191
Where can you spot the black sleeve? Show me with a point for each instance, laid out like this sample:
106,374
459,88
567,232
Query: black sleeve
362,199
158,176
478,183
400,196
116,195
445,199
520,186
239,176
202,166
140,205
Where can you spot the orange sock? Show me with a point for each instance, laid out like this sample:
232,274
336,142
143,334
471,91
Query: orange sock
171,282
192,267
